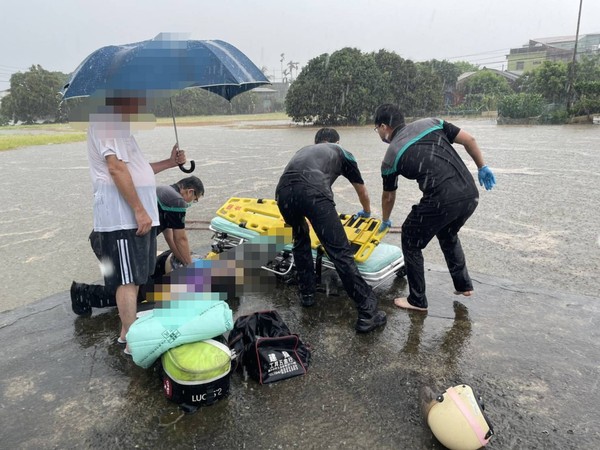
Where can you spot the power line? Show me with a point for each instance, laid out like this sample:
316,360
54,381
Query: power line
493,62
2,66
481,53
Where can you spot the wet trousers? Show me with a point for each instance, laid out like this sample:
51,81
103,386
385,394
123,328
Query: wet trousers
100,296
298,202
444,221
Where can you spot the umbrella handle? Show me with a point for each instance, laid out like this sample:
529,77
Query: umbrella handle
192,163
190,170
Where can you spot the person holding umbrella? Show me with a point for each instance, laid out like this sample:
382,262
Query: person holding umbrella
125,200
173,202
125,208
423,151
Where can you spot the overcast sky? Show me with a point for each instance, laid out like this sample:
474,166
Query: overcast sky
59,34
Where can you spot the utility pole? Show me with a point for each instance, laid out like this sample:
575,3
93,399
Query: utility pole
571,79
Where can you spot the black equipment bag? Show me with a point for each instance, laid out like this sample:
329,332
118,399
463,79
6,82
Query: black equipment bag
263,343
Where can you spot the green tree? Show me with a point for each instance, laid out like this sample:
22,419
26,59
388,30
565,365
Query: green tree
6,108
429,90
200,102
520,106
399,82
487,82
549,79
34,95
346,86
587,86
588,98
588,69
464,66
335,89
301,102
447,71
484,89
417,88
449,74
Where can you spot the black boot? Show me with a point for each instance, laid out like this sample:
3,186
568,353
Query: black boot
307,299
98,296
368,321
80,303
369,317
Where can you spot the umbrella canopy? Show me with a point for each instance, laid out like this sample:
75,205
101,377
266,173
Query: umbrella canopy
161,66
158,67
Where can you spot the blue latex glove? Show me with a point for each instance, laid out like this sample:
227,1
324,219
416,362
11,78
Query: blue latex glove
486,177
363,214
385,224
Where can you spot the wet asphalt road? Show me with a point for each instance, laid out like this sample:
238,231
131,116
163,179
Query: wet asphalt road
527,341
532,355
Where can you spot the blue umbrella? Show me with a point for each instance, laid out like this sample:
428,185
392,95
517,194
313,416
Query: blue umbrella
159,67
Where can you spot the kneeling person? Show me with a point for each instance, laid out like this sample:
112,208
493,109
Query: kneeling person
173,202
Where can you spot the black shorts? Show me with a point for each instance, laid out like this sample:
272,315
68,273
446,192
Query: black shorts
127,258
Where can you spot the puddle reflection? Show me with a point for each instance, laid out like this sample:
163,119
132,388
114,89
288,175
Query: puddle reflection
448,348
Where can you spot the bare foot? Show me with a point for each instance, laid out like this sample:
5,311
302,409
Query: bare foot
402,302
465,293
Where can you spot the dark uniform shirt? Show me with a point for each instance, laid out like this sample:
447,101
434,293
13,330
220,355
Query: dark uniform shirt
319,165
422,151
171,207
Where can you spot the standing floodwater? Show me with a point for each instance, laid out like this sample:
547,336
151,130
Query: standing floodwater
526,340
539,225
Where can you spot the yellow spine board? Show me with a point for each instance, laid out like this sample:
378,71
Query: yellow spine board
362,233
264,217
255,214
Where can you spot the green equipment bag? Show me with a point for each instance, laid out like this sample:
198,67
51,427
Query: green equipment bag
196,374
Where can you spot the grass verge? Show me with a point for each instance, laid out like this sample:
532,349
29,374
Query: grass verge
63,133
9,142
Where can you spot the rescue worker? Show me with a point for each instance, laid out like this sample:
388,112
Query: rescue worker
304,192
423,151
